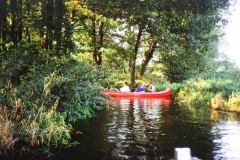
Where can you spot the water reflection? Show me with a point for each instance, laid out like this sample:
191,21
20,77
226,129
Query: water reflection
152,128
228,144
135,125
227,128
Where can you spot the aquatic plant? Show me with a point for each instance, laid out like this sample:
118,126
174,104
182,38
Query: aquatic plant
217,102
233,103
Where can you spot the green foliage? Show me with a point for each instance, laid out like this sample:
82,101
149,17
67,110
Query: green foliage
220,92
166,84
153,73
30,124
193,95
37,112
175,68
79,90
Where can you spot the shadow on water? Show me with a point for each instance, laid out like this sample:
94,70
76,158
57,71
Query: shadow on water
150,129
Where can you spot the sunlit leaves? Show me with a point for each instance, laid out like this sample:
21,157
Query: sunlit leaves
80,7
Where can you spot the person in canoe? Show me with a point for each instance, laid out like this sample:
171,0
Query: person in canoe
152,88
141,88
125,87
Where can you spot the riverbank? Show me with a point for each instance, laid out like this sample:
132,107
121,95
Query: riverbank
219,93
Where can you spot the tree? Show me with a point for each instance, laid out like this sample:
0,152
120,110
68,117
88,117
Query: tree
3,21
185,36
148,55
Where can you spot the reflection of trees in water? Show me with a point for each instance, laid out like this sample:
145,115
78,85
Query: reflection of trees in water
149,116
217,133
132,131
227,143
217,115
214,114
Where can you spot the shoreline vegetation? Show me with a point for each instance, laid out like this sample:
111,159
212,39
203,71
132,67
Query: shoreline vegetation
217,94
40,120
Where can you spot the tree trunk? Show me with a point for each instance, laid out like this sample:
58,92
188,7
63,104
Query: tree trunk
19,15
49,24
100,42
94,48
97,54
47,27
13,6
59,19
3,21
134,57
27,33
147,56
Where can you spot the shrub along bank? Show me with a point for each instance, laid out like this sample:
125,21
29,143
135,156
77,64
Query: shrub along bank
221,92
36,116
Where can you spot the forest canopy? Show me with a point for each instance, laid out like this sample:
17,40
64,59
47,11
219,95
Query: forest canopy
181,34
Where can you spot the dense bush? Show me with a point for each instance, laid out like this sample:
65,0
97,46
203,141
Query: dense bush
36,113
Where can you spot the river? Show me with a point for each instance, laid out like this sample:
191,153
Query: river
150,129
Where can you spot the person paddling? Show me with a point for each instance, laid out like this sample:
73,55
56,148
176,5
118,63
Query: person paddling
152,88
125,88
141,88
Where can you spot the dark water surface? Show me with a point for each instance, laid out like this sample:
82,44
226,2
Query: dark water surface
150,129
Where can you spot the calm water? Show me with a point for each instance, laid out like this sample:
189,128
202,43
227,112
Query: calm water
150,129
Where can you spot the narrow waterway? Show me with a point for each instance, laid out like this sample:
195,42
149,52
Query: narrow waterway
150,129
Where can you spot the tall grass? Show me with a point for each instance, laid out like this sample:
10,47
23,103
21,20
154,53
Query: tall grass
25,126
216,93
233,103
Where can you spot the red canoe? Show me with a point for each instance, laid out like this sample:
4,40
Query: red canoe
167,92
166,101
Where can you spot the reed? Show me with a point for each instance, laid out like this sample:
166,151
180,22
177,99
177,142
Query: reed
218,102
233,104
32,129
